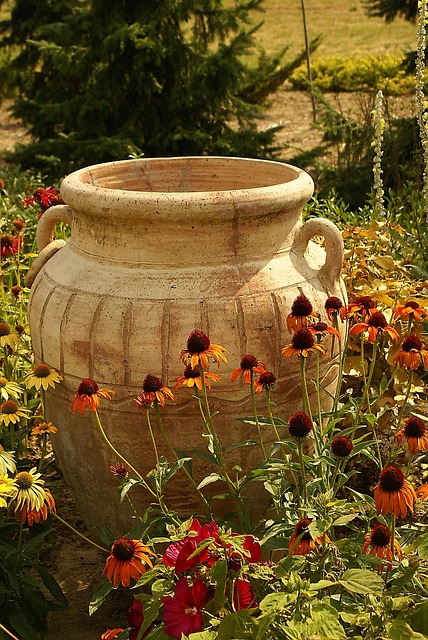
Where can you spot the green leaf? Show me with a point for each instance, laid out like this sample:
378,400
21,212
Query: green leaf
174,468
240,445
326,623
151,611
319,527
29,548
344,520
126,487
236,625
203,635
264,624
213,477
274,602
52,585
422,546
219,576
321,584
419,617
99,595
362,581
400,630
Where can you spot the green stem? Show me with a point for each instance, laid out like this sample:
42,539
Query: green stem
9,633
253,402
302,467
401,413
158,485
78,533
43,453
120,456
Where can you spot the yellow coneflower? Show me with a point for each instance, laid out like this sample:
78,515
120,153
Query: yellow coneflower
42,377
28,490
88,395
7,337
9,389
377,542
393,493
128,559
6,489
7,461
199,350
11,412
192,377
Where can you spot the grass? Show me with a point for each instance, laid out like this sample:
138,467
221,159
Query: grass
343,25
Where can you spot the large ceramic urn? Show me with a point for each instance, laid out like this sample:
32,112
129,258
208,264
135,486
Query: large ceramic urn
158,248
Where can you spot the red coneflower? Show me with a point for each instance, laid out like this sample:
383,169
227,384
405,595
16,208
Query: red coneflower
192,377
9,245
342,446
302,314
412,353
248,365
299,425
199,350
378,543
153,391
120,469
408,310
335,308
414,433
393,493
301,344
375,324
301,541
128,559
88,395
265,381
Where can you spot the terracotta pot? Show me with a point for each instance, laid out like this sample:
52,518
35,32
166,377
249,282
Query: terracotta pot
158,248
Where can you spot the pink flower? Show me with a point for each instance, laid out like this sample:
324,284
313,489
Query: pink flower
182,612
177,554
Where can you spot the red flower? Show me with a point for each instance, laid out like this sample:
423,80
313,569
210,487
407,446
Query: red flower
178,553
9,244
43,197
182,612
135,618
243,595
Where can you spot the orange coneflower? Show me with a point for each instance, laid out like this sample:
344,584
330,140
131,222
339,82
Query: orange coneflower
414,433
128,559
409,310
393,493
248,365
302,314
43,428
89,394
200,350
378,543
422,492
301,344
321,329
412,353
360,307
335,308
192,377
299,425
375,324
111,634
37,515
153,391
265,381
301,541
42,377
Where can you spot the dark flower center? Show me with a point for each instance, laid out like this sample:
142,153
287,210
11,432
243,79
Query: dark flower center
18,224
41,370
7,240
87,387
380,536
191,372
19,329
414,427
320,326
301,307
301,526
9,407
249,362
412,304
299,425
16,290
152,384
365,301
303,339
391,479
378,320
24,480
333,303
123,549
4,329
119,469
412,341
234,563
3,382
197,342
267,377
342,446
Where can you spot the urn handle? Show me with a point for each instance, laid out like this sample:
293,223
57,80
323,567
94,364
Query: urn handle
333,245
46,246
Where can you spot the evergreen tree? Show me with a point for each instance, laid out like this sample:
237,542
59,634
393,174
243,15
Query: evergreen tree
391,9
100,79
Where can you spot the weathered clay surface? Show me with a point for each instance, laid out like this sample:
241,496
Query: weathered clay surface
160,247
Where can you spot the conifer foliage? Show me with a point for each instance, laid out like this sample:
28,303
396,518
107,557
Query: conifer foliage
102,79
391,9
